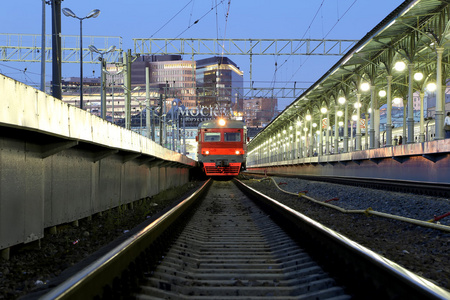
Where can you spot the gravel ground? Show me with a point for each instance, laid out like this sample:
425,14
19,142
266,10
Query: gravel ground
408,205
41,265
423,251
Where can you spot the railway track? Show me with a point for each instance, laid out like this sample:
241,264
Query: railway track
408,186
226,247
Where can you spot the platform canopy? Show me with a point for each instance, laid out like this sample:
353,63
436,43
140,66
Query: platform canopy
416,33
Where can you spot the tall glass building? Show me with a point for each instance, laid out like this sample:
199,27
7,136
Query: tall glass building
219,82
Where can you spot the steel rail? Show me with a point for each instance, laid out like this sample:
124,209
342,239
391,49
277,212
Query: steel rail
90,281
417,187
348,256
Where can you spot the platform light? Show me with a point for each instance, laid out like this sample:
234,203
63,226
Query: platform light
382,93
314,125
222,122
323,110
357,105
341,123
299,123
354,117
365,86
298,132
369,110
340,113
341,100
431,87
284,131
418,76
397,101
399,66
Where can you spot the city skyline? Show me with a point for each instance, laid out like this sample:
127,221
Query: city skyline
226,20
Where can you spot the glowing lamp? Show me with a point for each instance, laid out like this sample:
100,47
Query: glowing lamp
399,66
418,76
365,86
431,86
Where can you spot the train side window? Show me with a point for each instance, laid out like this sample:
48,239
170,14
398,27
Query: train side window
232,136
212,136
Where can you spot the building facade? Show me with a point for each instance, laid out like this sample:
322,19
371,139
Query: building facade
258,112
219,82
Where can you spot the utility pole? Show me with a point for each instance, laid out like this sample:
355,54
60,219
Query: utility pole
147,102
127,86
161,119
56,49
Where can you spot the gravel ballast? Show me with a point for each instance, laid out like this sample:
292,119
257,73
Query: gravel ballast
422,250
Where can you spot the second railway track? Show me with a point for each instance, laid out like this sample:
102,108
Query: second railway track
230,248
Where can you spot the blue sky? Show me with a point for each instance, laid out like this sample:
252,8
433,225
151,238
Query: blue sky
288,19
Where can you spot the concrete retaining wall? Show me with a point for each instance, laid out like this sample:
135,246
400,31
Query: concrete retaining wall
59,164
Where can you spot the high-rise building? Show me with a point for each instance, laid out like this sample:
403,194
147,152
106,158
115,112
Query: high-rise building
258,112
219,82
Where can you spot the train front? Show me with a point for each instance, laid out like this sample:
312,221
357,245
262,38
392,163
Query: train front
222,147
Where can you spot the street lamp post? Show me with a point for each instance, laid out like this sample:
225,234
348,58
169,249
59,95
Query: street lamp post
92,48
93,14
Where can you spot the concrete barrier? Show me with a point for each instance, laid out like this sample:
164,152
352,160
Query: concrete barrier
59,164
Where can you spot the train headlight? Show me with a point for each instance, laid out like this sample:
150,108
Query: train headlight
206,152
237,152
222,122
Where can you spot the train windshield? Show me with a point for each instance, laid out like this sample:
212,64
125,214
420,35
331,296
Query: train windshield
232,136
212,136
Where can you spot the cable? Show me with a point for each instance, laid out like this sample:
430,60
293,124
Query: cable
172,19
308,29
339,19
198,20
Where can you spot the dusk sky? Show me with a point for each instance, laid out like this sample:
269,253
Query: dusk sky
282,19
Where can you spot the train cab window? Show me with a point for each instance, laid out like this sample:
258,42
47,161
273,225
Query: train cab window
232,136
212,136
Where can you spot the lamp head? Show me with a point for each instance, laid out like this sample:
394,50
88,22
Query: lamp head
69,13
93,14
92,48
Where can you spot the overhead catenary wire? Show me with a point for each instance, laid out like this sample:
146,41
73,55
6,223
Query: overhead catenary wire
339,19
172,19
199,19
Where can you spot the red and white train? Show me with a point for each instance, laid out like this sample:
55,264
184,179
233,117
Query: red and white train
222,147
